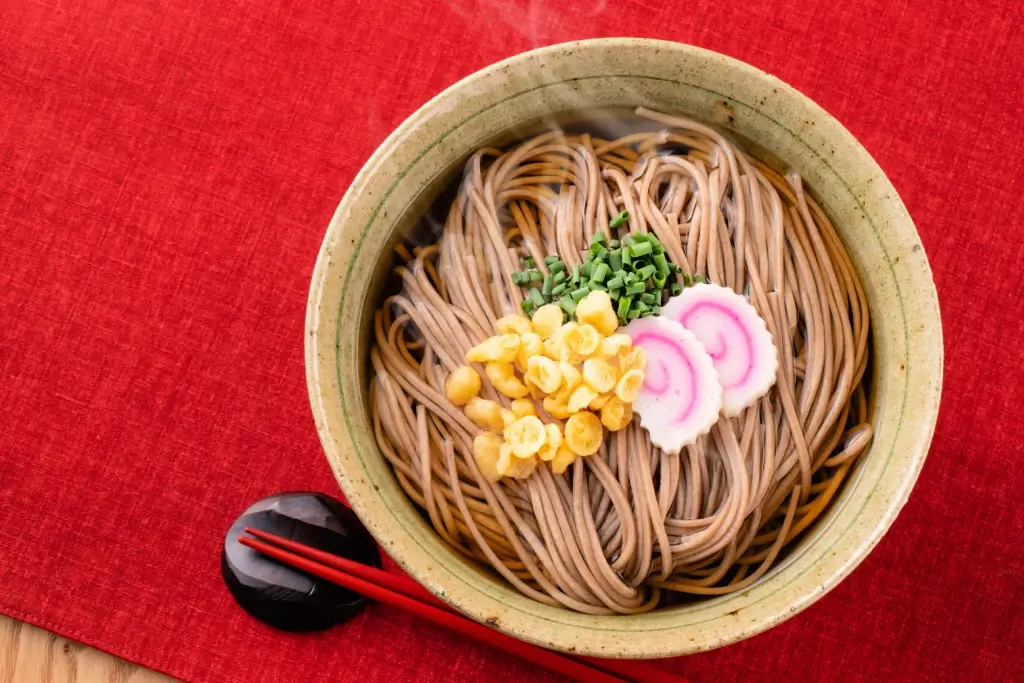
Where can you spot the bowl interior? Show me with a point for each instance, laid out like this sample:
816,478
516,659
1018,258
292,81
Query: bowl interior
557,84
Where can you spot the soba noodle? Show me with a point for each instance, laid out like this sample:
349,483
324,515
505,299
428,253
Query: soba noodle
622,529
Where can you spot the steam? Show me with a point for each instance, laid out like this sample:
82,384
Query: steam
539,22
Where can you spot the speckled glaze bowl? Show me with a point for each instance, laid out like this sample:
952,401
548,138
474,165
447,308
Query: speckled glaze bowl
424,153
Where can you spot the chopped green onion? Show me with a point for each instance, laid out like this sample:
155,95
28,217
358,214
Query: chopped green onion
520,278
630,279
549,284
538,298
551,259
648,298
641,249
661,263
624,255
558,267
614,244
559,277
535,275
568,305
676,289
675,268
578,294
655,310
623,307
601,272
613,294
576,274
557,290
629,239
633,314
599,238
698,278
687,282
615,283
647,272
527,305
619,220
585,269
659,281
638,288
615,259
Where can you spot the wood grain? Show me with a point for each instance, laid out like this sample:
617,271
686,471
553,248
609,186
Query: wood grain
32,655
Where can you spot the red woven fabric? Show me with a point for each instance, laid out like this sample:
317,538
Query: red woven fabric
167,170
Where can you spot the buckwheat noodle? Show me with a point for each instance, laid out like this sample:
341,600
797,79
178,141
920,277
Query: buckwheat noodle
624,529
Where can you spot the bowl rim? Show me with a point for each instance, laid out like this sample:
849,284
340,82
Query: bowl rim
519,624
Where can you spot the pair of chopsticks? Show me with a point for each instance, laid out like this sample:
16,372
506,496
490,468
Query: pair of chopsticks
406,594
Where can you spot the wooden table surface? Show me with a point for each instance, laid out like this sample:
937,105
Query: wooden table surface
32,655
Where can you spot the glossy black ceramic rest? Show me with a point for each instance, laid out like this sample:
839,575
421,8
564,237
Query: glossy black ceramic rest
287,598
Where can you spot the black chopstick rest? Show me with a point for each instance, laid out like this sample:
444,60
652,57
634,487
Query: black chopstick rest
287,598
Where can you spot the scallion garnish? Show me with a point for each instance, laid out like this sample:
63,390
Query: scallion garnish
640,249
619,220
634,270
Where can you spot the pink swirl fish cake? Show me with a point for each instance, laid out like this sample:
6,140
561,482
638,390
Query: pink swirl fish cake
735,337
681,397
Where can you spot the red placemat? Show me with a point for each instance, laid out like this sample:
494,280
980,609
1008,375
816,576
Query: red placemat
167,171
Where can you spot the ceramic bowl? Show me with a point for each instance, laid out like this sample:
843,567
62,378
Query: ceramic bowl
396,185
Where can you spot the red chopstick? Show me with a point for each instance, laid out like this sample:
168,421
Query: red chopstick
637,671
398,584
570,668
